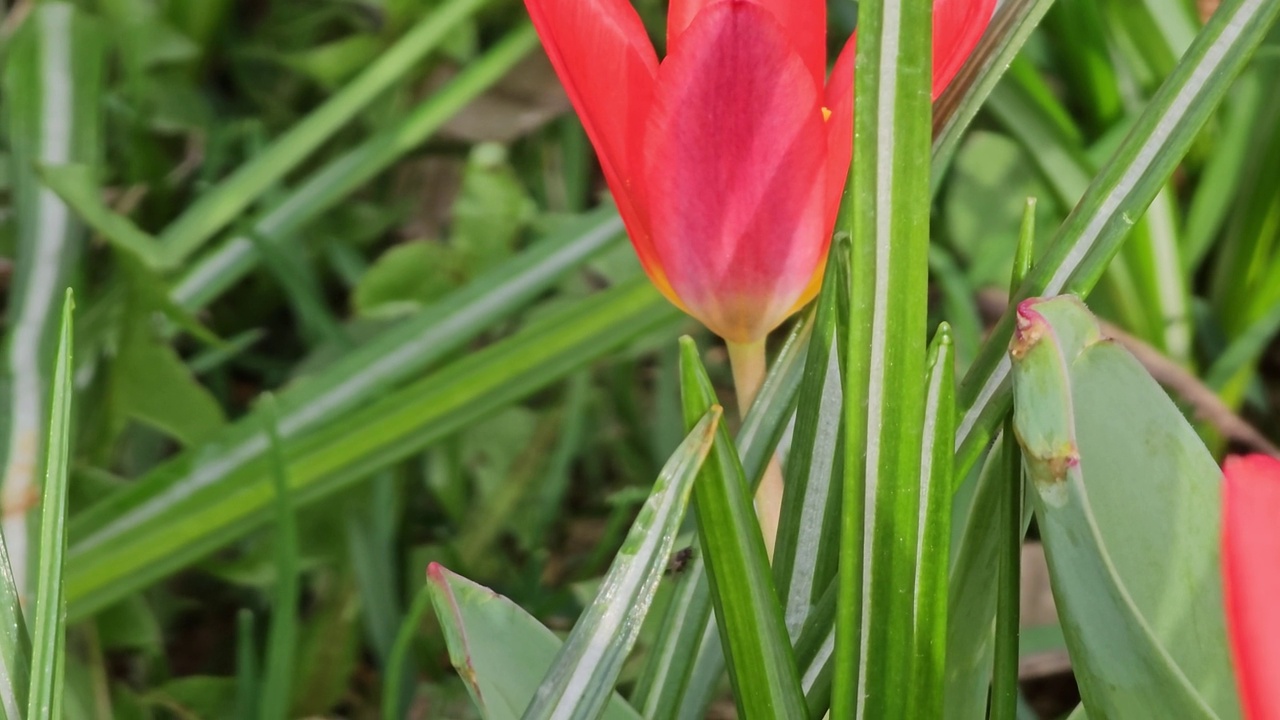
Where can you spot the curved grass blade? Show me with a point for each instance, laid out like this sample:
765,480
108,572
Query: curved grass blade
225,202
213,495
580,681
1092,234
48,633
958,105
500,650
220,269
393,688
761,665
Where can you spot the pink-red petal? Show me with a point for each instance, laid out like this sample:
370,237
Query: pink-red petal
736,171
1251,568
804,22
957,27
607,65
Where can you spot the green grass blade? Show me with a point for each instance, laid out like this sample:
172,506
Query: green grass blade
959,104
48,633
225,202
803,559
399,662
686,664
933,543
246,665
761,665
189,508
580,681
885,368
282,635
1092,234
15,644
220,269
53,69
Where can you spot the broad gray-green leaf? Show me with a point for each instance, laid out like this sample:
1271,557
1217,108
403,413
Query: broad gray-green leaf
501,651
1127,499
585,670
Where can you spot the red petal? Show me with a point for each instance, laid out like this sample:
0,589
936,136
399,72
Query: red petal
601,52
839,100
803,21
957,27
736,172
1251,566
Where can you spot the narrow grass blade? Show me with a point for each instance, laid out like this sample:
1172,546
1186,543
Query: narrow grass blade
282,636
53,71
221,268
15,644
1092,234
580,681
885,364
761,665
246,665
933,544
48,633
1008,32
686,664
394,689
193,506
226,201
501,652
804,559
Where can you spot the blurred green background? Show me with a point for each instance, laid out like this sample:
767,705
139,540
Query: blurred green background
381,212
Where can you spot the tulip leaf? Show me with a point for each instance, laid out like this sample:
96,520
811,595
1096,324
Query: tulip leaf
884,364
685,666
1127,502
1142,165
501,651
758,652
581,678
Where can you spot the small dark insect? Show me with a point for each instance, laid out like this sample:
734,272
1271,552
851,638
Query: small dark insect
679,561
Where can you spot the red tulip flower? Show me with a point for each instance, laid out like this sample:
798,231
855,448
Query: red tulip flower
1251,567
728,157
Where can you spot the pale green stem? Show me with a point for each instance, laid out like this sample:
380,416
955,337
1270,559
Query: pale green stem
748,364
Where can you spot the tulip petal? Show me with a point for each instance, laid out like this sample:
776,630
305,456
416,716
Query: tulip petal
804,22
603,56
736,171
957,27
839,100
1251,567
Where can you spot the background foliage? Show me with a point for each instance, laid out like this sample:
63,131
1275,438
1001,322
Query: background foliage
380,212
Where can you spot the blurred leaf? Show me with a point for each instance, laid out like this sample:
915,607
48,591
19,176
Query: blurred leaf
328,651
78,188
406,278
1138,593
185,510
491,211
500,650
195,698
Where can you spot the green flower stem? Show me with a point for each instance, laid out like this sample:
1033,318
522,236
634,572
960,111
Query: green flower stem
747,360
